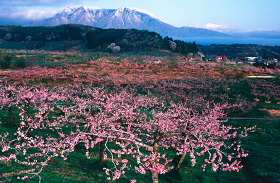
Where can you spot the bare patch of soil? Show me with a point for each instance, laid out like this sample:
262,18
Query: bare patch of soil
274,113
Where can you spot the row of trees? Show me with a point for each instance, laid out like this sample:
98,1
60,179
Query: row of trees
179,46
132,131
97,38
136,40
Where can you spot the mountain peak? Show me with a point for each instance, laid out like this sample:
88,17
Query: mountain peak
89,8
66,10
123,9
72,9
122,18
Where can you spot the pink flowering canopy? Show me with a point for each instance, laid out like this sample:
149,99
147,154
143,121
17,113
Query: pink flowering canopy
133,129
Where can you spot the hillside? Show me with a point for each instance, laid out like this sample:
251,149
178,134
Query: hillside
70,36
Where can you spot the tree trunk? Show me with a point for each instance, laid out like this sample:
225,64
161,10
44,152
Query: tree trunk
26,106
101,153
11,116
155,151
218,176
155,177
178,166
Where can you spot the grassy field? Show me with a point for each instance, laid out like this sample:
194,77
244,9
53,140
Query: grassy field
48,46
12,45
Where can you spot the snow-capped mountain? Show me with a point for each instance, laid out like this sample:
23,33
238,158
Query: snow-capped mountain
123,18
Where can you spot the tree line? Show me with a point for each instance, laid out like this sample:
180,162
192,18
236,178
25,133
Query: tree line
97,38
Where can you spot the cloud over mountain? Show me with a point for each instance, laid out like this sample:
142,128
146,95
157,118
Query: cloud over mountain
36,2
23,17
216,27
29,14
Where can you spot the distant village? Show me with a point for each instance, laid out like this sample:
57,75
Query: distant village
269,59
241,53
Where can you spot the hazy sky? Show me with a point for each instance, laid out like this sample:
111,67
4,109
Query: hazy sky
213,14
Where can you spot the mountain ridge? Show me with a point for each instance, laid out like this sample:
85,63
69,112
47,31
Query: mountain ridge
123,18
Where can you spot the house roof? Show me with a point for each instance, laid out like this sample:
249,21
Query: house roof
221,56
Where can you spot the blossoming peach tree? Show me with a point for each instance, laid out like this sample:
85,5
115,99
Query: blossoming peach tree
130,131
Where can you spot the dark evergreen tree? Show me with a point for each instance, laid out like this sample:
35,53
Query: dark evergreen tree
264,55
194,48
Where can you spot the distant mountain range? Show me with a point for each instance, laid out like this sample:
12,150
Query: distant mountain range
123,18
273,34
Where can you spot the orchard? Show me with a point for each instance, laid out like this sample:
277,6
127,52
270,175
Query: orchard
126,128
146,125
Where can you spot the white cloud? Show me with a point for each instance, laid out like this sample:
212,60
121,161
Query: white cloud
216,27
197,25
23,17
31,14
37,2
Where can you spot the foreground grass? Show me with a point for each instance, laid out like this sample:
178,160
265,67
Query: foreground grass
263,162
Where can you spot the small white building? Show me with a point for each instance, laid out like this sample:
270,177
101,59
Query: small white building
251,58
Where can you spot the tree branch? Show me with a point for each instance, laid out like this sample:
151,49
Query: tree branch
122,138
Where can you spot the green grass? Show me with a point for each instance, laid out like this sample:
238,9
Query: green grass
268,106
65,46
12,45
49,46
263,162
